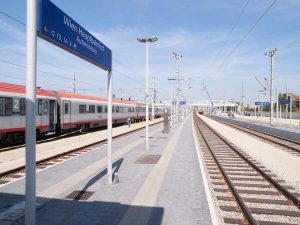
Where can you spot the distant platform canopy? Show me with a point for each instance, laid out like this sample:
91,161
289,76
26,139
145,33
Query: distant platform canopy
216,103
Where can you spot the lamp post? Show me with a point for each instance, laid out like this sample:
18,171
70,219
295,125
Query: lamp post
146,41
271,54
153,96
177,57
172,98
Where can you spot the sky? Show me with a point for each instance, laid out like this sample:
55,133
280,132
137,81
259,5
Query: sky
222,43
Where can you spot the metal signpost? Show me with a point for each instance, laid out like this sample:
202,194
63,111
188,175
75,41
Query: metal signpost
58,28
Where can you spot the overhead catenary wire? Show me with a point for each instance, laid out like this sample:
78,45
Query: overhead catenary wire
233,28
16,20
42,82
245,36
62,77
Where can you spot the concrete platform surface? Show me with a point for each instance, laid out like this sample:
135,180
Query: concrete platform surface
162,186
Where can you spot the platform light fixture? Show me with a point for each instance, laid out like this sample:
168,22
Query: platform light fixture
146,41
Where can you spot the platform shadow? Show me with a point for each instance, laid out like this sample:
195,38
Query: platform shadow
115,166
67,212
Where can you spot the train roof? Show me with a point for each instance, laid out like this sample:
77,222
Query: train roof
88,97
15,88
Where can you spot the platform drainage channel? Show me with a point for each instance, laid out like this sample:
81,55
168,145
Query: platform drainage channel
148,159
80,195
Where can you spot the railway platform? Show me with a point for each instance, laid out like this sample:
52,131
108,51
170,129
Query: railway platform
162,186
284,128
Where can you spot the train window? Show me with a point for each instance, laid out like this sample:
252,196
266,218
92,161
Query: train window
22,106
45,108
6,106
91,109
99,108
117,109
40,107
105,109
114,109
66,108
82,108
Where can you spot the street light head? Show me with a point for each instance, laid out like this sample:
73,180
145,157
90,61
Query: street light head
152,39
143,40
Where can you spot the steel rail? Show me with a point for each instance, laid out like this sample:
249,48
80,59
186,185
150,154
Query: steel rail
241,203
278,186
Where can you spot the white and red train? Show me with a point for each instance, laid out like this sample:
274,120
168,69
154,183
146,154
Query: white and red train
60,112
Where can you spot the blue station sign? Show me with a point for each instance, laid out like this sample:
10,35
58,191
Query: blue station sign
284,101
60,29
181,102
263,103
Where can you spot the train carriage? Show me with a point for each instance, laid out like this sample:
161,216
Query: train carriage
60,112
84,112
13,107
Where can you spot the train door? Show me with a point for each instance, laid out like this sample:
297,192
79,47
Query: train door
66,114
51,114
39,118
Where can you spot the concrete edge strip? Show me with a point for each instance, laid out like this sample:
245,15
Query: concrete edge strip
148,193
209,198
17,211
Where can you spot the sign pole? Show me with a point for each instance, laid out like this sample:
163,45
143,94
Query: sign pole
30,150
277,105
109,126
147,101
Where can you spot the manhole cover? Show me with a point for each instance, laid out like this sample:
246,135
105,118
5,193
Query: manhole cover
80,195
148,159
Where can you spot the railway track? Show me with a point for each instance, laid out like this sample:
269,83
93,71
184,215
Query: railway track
245,191
18,173
53,137
289,145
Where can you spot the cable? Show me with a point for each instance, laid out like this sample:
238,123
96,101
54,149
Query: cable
246,35
16,20
49,73
232,29
23,79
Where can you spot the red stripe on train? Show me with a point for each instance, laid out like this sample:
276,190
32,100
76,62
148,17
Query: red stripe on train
20,129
